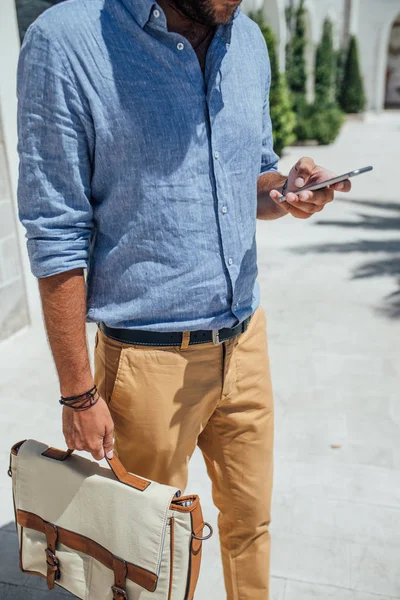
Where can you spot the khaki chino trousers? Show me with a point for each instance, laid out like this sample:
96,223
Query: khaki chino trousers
165,401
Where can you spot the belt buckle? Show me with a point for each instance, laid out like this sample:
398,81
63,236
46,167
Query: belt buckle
215,337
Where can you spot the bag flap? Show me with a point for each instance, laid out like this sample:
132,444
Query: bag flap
82,496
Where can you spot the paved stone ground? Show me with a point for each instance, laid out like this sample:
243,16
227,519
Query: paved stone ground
331,289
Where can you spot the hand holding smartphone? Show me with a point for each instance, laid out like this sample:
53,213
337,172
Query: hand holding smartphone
324,184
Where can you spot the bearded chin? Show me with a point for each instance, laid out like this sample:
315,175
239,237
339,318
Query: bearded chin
200,11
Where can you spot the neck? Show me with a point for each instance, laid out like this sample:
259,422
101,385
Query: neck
178,22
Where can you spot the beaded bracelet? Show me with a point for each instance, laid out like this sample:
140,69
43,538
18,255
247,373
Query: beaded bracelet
82,401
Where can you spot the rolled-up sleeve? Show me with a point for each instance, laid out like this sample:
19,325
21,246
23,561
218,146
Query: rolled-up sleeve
269,160
54,147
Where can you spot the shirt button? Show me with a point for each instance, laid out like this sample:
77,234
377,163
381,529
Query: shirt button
156,13
180,46
216,154
230,261
224,209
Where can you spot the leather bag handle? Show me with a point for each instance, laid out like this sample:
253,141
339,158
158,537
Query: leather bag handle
114,463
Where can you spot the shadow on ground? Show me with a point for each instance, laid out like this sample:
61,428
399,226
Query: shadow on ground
387,264
15,585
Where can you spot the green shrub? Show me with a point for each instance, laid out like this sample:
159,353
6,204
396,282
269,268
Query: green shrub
282,115
352,96
340,62
296,71
302,112
325,66
320,122
327,123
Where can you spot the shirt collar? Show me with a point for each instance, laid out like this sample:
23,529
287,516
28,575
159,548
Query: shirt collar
142,9
236,13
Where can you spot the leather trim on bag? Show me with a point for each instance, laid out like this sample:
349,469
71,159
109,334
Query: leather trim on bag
120,571
172,553
81,543
57,454
196,517
53,564
176,504
124,477
16,447
21,543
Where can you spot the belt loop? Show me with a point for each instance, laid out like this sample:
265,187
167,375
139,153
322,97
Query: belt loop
185,340
215,337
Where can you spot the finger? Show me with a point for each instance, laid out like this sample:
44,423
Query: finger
291,201
306,197
343,186
294,207
108,442
306,207
320,198
275,195
299,214
323,197
98,452
292,198
304,168
292,204
69,442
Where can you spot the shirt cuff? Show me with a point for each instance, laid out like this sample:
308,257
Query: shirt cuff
49,257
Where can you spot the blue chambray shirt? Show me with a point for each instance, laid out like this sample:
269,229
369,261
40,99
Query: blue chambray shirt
135,166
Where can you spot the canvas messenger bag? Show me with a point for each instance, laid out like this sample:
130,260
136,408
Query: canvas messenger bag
103,534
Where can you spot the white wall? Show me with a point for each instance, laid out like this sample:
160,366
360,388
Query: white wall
373,27
9,50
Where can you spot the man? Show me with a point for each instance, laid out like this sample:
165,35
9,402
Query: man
146,155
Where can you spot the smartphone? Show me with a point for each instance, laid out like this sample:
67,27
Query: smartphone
323,184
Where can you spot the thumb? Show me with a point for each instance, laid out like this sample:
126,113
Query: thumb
108,443
303,170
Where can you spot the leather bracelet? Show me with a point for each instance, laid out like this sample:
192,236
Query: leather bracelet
92,390
82,401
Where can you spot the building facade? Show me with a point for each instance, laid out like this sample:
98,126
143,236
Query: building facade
376,23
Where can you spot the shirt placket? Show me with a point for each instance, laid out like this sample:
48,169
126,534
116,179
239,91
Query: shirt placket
210,88
224,202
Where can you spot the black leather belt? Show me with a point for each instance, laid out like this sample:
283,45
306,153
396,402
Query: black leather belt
175,338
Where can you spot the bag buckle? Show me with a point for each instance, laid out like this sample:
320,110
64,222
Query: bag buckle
53,562
119,592
215,337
